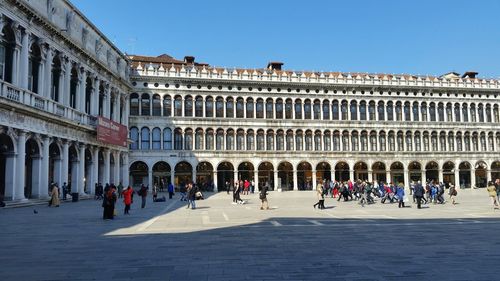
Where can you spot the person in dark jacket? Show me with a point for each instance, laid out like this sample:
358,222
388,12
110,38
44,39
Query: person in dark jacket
170,190
263,196
143,192
418,192
108,203
191,194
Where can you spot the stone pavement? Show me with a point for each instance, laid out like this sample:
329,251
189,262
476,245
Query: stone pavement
221,241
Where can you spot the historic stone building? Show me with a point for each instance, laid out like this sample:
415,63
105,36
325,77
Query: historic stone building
59,78
191,121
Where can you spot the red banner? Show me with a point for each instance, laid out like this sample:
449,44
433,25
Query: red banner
110,132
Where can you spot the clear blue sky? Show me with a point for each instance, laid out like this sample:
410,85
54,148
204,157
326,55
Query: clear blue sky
418,37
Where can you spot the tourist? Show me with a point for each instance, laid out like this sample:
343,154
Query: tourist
228,186
418,193
54,196
246,187
127,199
170,190
252,186
108,203
155,192
321,196
453,193
263,196
191,195
400,193
493,194
64,191
120,188
497,187
143,192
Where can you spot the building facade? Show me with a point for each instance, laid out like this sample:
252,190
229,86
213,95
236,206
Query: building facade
58,74
193,122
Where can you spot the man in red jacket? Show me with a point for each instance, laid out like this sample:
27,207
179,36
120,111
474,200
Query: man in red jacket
127,199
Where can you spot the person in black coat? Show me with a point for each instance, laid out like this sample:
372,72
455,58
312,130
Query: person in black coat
419,194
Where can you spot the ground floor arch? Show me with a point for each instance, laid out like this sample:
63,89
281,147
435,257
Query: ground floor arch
361,171
285,176
379,172
205,176
225,175
323,171
432,171
245,171
342,171
7,156
464,174
449,173
162,175
266,174
415,171
138,174
481,174
183,173
397,173
495,170
304,176
32,168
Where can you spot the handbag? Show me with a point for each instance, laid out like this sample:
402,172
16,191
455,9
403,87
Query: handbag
198,194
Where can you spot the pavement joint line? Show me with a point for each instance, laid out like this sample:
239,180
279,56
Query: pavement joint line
315,222
226,218
275,223
149,222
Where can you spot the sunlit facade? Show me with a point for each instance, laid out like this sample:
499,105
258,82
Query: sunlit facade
193,122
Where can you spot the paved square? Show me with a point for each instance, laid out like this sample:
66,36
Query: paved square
221,241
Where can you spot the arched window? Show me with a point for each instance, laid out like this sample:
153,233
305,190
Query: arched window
177,106
473,113
362,110
423,111
345,141
209,107
178,139
250,140
156,105
209,139
270,140
219,107
134,137
457,112
449,112
55,87
467,142
279,109
488,113
230,139
134,104
156,138
240,140
496,115
465,113
259,108
289,140
188,106
326,110
372,111
317,110
409,142
327,141
392,141
442,141
73,86
198,139
400,141
167,106
219,140
7,46
432,112
354,110
307,109
382,141
298,109
475,142
381,111
434,141
415,111
364,141
480,112
317,141
299,141
240,107
451,143
426,141
188,139
280,140
260,140
309,140
407,111
373,141
344,108
145,105
336,141
198,106
145,138
269,109
289,109
354,140
440,112
229,107
399,111
416,138
390,111
167,139
459,141
335,110
249,108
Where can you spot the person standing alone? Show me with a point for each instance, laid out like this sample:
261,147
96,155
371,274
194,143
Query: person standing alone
127,199
418,192
143,192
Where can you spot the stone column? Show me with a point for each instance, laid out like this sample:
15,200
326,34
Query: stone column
64,97
36,186
107,154
125,172
107,100
295,184
236,178
94,170
351,175
150,178
16,56
440,175
172,178
193,175
216,189
10,176
370,176
314,179
82,87
65,164
388,176
116,172
406,178
94,98
48,72
18,193
488,176
23,77
76,185
473,178
276,179
423,179
256,179
44,173
81,170
457,177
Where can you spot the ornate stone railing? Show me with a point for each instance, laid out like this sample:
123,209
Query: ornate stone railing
31,99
